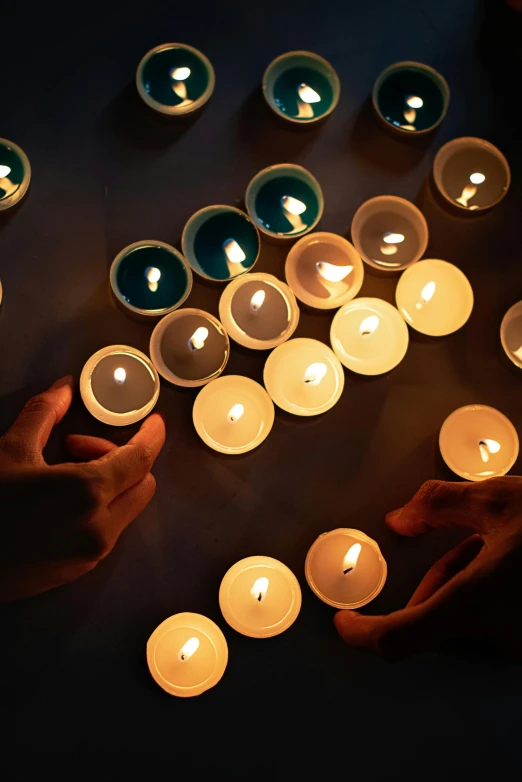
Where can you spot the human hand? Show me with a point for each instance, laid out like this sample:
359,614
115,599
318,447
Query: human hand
57,522
474,591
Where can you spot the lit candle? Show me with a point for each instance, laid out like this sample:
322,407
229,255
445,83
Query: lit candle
187,654
324,270
260,597
345,568
175,79
409,97
478,442
189,347
284,201
150,279
220,243
119,385
304,377
389,232
233,414
258,311
369,336
471,173
511,334
15,174
301,87
434,297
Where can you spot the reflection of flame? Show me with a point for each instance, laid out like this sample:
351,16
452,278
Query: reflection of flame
307,96
188,649
410,115
351,557
315,373
233,251
414,102
4,171
518,352
235,413
120,375
470,190
426,294
152,275
259,589
197,340
256,302
369,325
333,273
391,240
487,447
477,179
293,205
180,74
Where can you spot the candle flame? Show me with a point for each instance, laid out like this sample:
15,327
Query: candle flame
152,275
307,94
333,273
315,373
351,557
487,447
233,251
188,649
235,413
392,238
259,589
4,171
414,102
426,294
257,300
180,74
477,179
293,205
120,375
197,340
369,325
467,194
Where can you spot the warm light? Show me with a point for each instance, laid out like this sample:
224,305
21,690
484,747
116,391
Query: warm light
333,273
467,194
152,274
315,373
293,205
369,325
235,413
4,171
426,294
391,238
233,251
477,179
120,375
188,649
414,102
259,589
256,302
487,447
197,340
351,557
180,74
307,94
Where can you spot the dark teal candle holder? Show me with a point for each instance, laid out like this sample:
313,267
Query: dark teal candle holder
15,174
150,279
220,243
410,98
284,201
175,79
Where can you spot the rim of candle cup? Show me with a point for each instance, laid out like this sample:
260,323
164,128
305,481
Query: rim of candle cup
233,329
91,403
206,627
513,310
268,173
359,535
445,153
23,187
451,464
144,313
418,221
157,357
360,303
211,388
412,65
177,110
328,71
190,230
302,294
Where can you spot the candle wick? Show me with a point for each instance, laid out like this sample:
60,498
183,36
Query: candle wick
182,656
348,570
260,597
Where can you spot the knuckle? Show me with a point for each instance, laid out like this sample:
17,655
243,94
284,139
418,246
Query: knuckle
87,489
432,494
38,404
93,544
142,454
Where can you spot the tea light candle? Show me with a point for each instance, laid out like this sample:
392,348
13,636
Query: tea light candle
175,79
258,311
187,654
471,173
15,174
409,97
284,201
369,336
345,568
304,377
150,279
233,414
189,347
220,242
389,232
478,442
301,87
324,270
260,597
119,385
511,333
434,297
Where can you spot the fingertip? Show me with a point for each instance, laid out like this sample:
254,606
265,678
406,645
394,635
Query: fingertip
345,619
67,380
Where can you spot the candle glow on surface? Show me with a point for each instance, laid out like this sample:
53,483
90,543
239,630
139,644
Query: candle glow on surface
332,273
188,649
233,251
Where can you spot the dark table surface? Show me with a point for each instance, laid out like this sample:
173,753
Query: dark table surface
106,173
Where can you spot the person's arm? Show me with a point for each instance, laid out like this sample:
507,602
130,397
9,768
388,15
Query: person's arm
474,591
57,522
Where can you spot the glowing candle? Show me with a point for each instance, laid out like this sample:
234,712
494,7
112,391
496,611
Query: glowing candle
369,336
187,654
478,442
511,334
345,568
304,377
15,174
434,297
301,87
260,597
